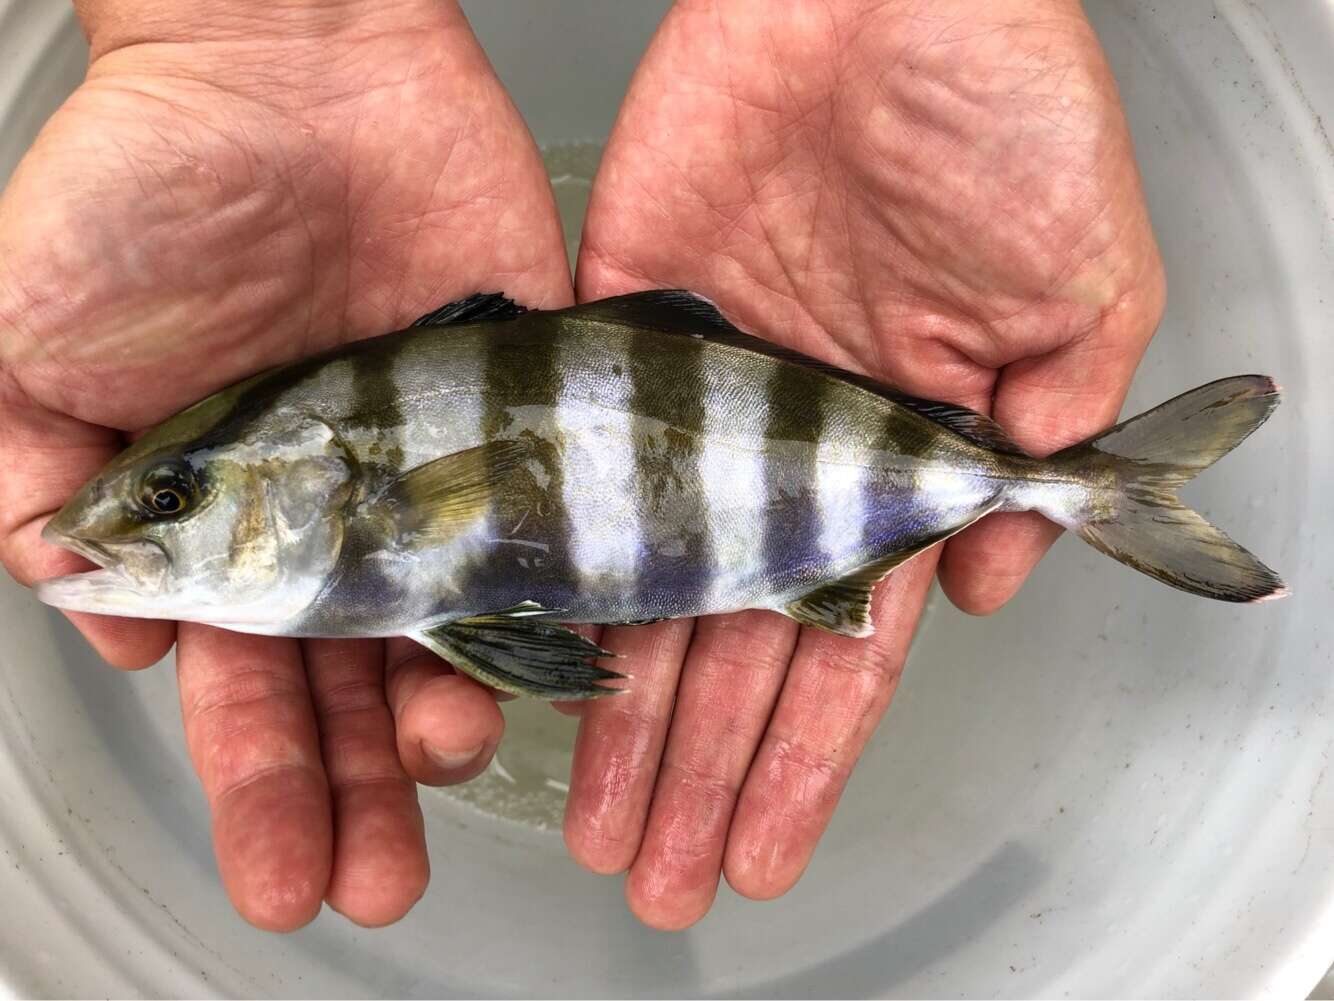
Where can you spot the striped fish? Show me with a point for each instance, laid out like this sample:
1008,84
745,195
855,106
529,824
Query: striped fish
491,471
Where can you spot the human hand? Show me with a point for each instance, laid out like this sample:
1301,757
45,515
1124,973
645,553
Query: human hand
233,187
942,195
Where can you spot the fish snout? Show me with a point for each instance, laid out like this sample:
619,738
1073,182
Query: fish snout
88,506
60,531
59,528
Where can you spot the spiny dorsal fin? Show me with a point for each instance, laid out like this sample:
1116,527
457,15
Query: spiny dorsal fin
670,310
677,311
434,501
977,428
472,309
843,606
516,652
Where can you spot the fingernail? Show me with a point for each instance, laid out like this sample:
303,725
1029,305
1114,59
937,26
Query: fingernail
452,761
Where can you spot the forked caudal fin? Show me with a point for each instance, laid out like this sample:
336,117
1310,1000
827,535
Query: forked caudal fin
1151,456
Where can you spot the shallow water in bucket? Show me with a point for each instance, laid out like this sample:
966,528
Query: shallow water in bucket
528,779
1109,789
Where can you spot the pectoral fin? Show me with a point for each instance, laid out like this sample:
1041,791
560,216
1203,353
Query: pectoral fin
523,655
433,502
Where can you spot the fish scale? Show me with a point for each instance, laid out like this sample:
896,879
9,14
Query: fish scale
492,471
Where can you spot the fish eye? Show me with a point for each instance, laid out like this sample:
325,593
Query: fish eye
167,501
166,490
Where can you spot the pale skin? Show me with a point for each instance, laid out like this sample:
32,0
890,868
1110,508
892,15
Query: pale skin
940,193
230,190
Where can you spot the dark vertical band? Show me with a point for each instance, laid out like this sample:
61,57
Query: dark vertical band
798,405
521,368
667,400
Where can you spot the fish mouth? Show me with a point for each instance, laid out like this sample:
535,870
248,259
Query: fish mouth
111,589
88,549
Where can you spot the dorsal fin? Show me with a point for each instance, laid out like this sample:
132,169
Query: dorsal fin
471,309
977,428
670,310
676,311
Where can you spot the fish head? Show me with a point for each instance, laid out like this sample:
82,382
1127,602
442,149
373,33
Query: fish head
232,532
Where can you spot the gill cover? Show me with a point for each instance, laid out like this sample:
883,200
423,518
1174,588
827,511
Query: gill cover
249,550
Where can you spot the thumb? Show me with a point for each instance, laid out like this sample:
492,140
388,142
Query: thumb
46,458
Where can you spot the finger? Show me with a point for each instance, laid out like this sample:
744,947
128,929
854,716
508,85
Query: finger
1046,403
251,732
57,455
447,725
619,745
732,675
986,564
380,867
835,693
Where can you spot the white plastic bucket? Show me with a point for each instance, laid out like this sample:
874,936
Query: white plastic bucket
1107,789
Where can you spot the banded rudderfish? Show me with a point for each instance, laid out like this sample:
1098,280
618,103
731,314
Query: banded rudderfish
491,471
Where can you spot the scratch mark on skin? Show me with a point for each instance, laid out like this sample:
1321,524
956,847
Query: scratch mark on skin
522,542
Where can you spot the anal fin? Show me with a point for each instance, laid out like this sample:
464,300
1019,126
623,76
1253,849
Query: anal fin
843,606
518,652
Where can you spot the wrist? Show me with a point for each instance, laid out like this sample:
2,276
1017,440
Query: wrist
117,24
846,12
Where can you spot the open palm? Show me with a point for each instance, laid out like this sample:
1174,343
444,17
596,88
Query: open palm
942,195
219,196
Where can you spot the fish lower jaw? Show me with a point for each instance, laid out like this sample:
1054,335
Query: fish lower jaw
112,592
101,591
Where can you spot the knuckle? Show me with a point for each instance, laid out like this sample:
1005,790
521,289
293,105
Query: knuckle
863,667
254,688
230,783
713,793
363,757
791,755
354,696
635,717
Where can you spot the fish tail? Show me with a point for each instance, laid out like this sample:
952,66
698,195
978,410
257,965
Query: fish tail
1136,517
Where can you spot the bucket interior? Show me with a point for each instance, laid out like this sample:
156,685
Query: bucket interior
1108,788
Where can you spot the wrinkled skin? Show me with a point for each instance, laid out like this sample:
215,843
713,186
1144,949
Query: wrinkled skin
900,189
941,194
225,193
